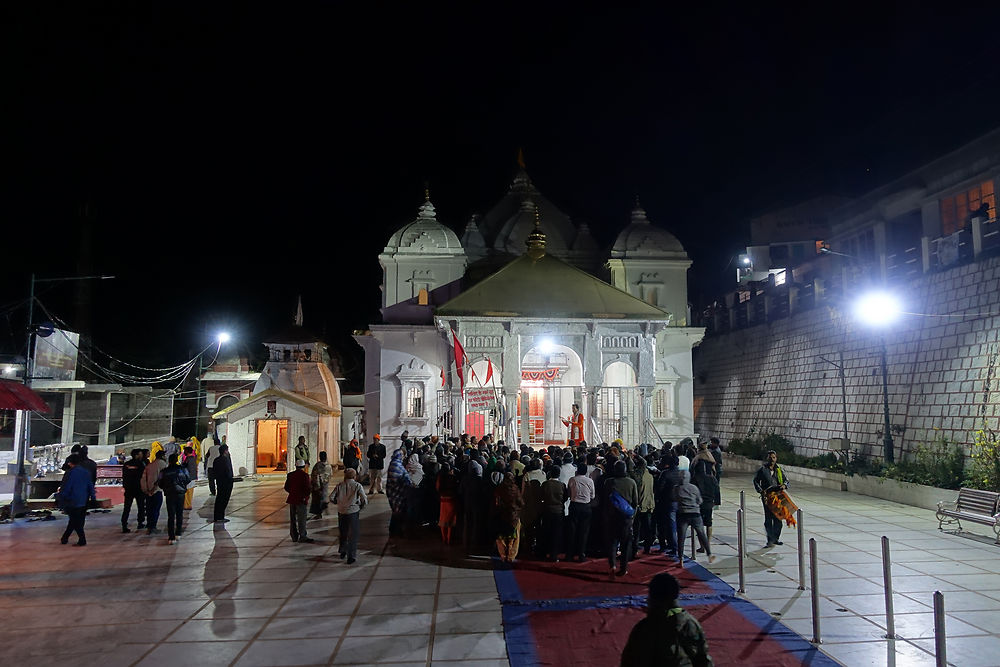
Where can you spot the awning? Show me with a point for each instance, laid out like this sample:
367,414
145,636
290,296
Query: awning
16,396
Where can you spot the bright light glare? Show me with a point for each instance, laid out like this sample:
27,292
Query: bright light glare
546,346
746,260
223,337
878,309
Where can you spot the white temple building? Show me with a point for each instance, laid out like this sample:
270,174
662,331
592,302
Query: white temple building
295,395
540,330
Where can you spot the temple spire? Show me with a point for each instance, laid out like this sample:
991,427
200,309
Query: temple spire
298,313
536,240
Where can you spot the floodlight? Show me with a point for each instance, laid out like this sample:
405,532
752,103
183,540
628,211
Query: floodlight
878,309
223,337
546,346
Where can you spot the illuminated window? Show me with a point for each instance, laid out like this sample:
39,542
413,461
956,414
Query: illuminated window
422,298
414,402
957,209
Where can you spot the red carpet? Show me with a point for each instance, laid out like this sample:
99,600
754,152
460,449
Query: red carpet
569,614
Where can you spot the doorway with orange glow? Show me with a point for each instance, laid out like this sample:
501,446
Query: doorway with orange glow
272,445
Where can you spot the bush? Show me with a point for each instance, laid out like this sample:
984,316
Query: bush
940,464
754,445
984,472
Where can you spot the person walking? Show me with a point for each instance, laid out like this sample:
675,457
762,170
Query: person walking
132,486
668,635
190,463
154,496
319,478
76,491
770,478
689,503
349,497
397,491
174,481
297,484
376,463
447,487
210,456
581,497
223,467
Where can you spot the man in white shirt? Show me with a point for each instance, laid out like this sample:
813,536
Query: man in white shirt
581,495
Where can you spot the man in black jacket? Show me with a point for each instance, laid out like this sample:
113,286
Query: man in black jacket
376,463
223,468
131,484
770,478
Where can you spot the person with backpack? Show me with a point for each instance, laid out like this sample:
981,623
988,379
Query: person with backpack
668,635
173,481
620,499
689,504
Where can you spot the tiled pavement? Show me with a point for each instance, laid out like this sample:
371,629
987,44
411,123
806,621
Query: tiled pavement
244,594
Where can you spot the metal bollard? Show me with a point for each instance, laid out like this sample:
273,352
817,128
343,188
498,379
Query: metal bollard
739,549
802,551
890,620
693,546
743,506
939,636
814,582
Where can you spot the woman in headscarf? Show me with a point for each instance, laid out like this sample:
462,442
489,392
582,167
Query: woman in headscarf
397,490
507,506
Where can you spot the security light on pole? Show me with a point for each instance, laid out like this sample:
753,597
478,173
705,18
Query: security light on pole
879,310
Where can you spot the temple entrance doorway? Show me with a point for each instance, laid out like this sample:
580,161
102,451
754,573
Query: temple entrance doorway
551,381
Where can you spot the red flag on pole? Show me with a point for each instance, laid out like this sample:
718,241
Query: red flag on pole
459,360
489,370
442,376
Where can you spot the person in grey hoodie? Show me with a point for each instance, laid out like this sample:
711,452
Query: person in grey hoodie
349,497
689,514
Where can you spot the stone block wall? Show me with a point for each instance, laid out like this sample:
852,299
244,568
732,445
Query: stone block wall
942,362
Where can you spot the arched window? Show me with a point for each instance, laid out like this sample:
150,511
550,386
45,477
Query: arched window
422,297
414,402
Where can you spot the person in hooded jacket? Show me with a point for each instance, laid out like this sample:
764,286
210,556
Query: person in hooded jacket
173,480
132,486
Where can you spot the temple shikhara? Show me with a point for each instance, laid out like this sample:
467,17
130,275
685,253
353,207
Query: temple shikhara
503,330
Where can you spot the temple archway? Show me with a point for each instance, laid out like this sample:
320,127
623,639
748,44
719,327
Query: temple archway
551,381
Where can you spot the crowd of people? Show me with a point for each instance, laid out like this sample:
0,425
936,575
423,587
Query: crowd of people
573,503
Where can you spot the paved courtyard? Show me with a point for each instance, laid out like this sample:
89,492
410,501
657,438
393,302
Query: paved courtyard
244,594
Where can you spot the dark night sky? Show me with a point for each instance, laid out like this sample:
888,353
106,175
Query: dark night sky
234,158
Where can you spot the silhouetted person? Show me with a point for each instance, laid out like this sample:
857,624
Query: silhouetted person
223,468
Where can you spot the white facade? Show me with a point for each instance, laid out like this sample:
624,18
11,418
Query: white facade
539,335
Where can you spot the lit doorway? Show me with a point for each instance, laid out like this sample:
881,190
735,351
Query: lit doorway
272,444
551,382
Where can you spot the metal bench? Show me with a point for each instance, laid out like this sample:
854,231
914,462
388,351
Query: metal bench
972,505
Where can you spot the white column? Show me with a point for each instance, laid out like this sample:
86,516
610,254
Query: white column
69,418
102,438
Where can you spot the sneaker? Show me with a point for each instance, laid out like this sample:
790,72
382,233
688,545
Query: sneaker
700,550
351,561
778,542
126,529
64,540
307,539
711,559
622,573
171,541
80,544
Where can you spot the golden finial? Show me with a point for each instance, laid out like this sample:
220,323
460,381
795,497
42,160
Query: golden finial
536,240
427,190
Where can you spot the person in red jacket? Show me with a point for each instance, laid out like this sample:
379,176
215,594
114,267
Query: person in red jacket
299,489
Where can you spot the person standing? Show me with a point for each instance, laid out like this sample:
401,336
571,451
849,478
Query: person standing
642,529
376,463
617,523
210,456
223,468
554,497
74,494
668,635
447,488
575,425
689,502
581,497
352,455
154,496
297,485
89,464
320,477
349,497
174,481
190,463
302,450
770,478
703,476
132,486
715,449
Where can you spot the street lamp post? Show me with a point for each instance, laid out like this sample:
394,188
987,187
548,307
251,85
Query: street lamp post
18,503
880,309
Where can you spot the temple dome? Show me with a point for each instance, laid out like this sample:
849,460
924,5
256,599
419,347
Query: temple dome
641,240
424,236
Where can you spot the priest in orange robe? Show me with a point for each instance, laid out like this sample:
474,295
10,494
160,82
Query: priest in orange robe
575,425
